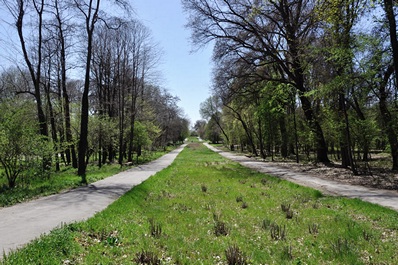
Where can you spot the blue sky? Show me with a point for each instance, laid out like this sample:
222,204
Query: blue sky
185,74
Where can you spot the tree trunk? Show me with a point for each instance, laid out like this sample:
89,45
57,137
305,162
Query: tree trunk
322,151
347,156
284,136
52,118
389,10
260,138
386,115
83,141
298,77
247,131
388,121
34,73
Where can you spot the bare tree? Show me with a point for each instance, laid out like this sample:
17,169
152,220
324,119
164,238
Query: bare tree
62,30
32,54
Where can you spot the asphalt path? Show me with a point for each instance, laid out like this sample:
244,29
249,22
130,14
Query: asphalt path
386,198
21,223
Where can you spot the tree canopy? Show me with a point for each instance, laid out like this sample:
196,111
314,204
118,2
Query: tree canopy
302,77
87,74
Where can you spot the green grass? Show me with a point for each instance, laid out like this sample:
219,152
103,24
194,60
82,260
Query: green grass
204,207
32,185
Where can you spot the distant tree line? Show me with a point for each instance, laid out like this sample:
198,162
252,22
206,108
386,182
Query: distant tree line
83,90
301,77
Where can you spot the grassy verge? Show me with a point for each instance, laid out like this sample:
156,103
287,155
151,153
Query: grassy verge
204,209
32,186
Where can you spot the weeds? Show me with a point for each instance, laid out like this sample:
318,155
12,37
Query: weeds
204,188
147,257
287,253
155,229
220,228
366,235
112,241
278,232
266,224
235,256
340,247
313,229
285,207
289,214
217,216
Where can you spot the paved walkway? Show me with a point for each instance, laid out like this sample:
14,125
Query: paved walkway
21,223
386,198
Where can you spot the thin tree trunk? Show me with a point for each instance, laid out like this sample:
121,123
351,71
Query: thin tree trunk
52,119
285,138
83,141
35,74
388,121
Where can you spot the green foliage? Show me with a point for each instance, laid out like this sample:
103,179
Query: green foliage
212,131
102,129
145,133
21,148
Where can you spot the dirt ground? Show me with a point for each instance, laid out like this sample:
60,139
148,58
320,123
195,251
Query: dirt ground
374,174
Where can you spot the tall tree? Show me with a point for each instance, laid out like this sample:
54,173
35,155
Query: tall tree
275,33
62,30
210,109
339,19
32,54
90,13
387,118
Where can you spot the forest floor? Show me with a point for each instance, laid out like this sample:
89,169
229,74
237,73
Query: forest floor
375,173
376,185
379,176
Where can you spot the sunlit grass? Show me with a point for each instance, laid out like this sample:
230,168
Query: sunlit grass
170,218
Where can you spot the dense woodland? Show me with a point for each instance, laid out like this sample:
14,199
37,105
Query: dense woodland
305,79
82,88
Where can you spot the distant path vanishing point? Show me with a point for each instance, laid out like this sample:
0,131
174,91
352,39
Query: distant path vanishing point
21,223
386,198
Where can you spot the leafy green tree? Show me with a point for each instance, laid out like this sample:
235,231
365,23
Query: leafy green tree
199,127
212,131
20,144
211,109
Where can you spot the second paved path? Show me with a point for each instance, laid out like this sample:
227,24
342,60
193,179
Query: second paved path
24,222
386,198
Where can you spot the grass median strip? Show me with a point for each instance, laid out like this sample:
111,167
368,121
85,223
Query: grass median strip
205,209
